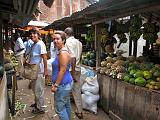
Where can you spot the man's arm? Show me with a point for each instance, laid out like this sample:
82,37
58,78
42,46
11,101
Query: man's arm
73,63
44,57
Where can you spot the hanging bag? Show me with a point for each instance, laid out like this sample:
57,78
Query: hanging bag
30,70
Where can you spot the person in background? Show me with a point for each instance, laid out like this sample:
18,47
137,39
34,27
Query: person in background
38,56
75,48
61,77
19,50
53,50
27,43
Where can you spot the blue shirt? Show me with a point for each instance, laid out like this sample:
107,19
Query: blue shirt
55,70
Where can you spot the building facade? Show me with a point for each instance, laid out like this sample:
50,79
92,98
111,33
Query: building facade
60,9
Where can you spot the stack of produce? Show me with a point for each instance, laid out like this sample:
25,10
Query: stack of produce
89,59
144,74
113,67
136,71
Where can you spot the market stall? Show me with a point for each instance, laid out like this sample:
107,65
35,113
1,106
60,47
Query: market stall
129,86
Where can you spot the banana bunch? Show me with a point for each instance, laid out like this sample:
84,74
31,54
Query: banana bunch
135,35
134,29
150,32
120,30
150,37
122,38
136,21
149,28
104,36
89,37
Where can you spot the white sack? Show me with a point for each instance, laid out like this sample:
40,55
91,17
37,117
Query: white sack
89,102
49,66
91,85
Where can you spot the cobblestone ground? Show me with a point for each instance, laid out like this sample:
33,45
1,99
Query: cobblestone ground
25,96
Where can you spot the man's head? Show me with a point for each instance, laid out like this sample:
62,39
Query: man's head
34,34
68,31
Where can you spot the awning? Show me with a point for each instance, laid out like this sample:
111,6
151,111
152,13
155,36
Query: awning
37,23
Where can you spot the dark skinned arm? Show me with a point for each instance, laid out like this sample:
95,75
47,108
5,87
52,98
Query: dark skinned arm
73,63
44,57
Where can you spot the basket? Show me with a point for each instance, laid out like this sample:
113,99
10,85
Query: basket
48,81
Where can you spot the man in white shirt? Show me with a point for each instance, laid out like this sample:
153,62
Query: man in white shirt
53,50
19,50
74,46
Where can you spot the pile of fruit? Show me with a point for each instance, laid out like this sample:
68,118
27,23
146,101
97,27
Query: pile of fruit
89,59
137,71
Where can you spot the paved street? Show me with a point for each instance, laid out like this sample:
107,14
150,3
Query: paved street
25,96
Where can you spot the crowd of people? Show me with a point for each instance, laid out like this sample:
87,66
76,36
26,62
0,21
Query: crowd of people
66,53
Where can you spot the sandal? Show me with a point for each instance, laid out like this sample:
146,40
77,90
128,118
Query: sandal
79,115
33,105
37,111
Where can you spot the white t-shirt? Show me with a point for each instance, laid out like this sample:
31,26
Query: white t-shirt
74,46
19,45
53,50
37,50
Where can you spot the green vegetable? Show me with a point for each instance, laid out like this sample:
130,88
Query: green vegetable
140,81
126,78
132,80
147,74
138,74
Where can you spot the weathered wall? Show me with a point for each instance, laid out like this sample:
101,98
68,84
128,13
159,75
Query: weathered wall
4,113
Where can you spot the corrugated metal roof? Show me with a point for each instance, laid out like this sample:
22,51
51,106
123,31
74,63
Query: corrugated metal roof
109,9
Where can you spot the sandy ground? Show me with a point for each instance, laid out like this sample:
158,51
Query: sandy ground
25,96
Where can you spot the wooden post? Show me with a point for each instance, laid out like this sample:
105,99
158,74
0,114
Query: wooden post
13,94
135,48
1,41
97,45
6,38
130,47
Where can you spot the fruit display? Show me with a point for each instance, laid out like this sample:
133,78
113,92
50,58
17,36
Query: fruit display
113,67
107,40
89,58
105,37
150,32
120,30
137,71
135,27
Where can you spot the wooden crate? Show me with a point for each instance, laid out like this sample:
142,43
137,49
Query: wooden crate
128,102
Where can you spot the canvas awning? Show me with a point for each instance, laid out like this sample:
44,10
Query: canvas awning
37,23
